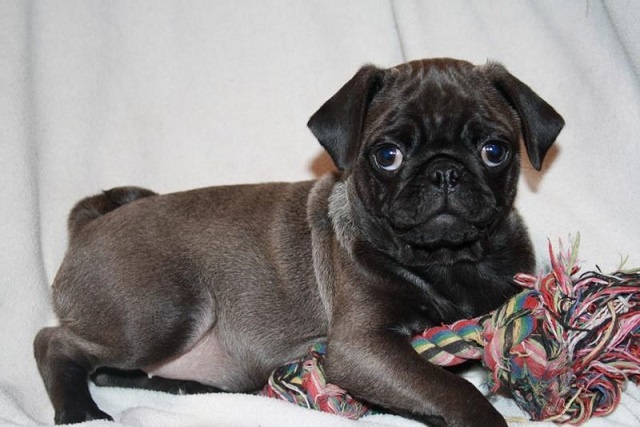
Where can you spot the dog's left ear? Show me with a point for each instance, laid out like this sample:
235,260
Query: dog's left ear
338,123
541,124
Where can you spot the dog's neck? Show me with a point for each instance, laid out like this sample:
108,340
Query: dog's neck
342,216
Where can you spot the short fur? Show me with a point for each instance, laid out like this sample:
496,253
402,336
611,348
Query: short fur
212,289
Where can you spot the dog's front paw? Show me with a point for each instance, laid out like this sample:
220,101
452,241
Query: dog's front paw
490,418
496,420
469,409
480,415
78,414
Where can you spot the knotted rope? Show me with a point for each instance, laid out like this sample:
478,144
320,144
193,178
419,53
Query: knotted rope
563,348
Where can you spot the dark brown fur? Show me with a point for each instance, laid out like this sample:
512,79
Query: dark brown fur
362,258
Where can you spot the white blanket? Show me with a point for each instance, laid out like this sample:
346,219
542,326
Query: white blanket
180,94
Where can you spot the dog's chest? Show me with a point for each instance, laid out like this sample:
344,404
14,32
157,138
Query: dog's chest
442,298
430,311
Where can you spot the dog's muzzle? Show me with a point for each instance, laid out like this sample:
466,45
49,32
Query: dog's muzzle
446,206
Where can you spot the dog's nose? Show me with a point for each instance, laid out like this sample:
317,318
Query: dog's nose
445,178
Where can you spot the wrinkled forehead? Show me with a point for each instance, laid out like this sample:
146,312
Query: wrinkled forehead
433,71
440,96
439,86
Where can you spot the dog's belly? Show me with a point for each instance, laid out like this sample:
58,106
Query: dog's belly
207,362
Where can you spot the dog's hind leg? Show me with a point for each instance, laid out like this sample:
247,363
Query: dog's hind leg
65,361
112,377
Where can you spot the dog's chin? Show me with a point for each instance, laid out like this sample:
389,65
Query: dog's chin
472,252
445,239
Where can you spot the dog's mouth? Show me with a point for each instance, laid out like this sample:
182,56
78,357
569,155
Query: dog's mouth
442,231
444,239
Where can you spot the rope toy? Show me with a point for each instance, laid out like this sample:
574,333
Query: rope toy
563,348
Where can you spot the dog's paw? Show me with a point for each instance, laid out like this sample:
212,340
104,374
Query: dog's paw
79,414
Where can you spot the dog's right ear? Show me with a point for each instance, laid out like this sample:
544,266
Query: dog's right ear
338,123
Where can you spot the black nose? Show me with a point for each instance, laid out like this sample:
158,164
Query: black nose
445,177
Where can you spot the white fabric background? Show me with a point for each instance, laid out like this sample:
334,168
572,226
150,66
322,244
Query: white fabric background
180,94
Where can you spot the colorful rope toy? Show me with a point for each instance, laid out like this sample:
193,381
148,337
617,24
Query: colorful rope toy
563,348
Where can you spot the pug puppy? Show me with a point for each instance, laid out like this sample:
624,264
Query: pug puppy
212,289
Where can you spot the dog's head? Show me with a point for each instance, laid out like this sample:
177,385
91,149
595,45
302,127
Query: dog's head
432,147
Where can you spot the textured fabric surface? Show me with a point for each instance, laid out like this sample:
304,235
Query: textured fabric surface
181,94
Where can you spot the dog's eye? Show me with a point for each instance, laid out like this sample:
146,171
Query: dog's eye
493,153
388,157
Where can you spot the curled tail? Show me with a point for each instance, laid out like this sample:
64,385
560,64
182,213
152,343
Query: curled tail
93,207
